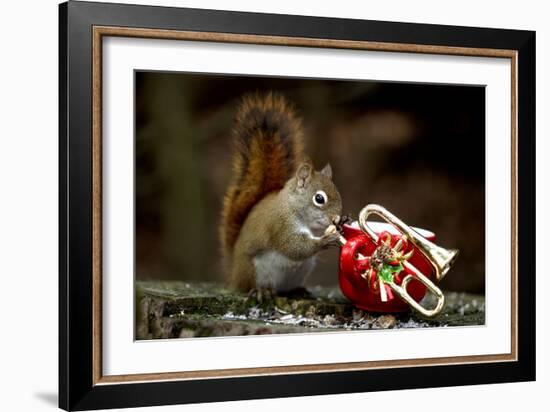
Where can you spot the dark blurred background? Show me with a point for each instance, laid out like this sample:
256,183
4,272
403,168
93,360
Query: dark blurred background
417,149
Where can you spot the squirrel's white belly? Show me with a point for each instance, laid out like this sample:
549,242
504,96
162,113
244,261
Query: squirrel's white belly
275,270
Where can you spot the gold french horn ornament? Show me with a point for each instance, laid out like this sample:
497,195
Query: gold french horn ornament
378,260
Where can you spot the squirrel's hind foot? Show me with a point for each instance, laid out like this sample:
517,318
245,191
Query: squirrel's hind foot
261,295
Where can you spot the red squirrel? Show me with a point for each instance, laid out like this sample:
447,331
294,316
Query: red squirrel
278,211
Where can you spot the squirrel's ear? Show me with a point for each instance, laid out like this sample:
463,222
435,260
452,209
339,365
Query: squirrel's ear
327,171
303,175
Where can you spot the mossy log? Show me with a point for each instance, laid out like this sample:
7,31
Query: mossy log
180,309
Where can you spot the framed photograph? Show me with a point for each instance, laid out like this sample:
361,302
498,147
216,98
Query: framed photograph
256,205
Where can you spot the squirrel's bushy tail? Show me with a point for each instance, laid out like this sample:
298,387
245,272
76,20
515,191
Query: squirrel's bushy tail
268,148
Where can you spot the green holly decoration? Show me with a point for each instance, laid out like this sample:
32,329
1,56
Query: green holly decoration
388,272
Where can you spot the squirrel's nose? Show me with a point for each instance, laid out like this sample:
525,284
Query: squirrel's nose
336,219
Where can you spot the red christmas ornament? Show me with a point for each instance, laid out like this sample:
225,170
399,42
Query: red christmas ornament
360,281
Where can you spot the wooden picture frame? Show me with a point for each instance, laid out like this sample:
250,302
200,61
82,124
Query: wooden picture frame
82,27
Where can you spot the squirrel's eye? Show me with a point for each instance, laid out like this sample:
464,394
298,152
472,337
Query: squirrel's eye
320,198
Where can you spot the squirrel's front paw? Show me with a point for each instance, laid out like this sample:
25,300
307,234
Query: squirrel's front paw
331,237
331,230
